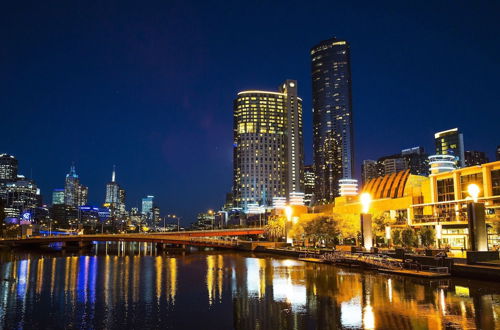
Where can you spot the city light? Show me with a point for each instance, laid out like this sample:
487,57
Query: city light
288,212
365,199
473,190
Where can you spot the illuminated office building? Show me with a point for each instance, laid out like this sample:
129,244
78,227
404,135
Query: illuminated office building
333,136
268,148
8,167
115,197
58,197
451,142
75,194
147,207
308,184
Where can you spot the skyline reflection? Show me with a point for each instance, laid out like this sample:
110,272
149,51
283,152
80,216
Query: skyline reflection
134,285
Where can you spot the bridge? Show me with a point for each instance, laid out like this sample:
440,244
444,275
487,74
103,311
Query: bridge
206,238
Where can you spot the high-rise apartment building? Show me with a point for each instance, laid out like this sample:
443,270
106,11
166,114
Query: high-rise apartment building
8,167
451,142
268,148
75,194
369,170
473,157
417,160
309,182
333,136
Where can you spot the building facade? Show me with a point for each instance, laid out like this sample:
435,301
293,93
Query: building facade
75,194
8,167
57,196
115,197
451,142
147,207
268,145
473,157
309,182
333,135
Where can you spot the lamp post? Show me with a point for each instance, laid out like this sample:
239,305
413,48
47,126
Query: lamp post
366,221
478,236
288,213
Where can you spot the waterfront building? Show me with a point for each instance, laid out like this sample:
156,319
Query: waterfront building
204,221
8,167
473,157
155,214
268,147
451,142
439,201
309,182
57,196
75,194
333,135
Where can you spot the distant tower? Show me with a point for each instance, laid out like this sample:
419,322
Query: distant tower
451,142
75,194
333,135
147,206
115,196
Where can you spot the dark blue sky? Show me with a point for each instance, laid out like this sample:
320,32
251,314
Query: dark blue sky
149,85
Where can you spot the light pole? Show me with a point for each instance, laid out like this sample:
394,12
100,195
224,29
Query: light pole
366,221
478,236
288,213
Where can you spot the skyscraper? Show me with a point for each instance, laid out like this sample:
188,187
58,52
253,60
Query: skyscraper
115,197
451,142
8,167
333,136
75,194
498,153
268,148
58,197
308,184
147,206
473,157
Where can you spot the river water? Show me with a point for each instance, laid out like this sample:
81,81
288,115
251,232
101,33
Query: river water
132,286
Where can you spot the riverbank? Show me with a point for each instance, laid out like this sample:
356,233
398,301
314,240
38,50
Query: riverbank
489,271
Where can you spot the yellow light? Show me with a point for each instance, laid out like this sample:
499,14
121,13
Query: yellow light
365,199
288,212
473,190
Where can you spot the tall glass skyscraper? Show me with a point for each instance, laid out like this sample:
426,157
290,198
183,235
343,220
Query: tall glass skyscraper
8,167
333,136
451,142
268,145
75,194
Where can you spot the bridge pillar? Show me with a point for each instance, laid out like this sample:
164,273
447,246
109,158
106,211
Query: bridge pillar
160,247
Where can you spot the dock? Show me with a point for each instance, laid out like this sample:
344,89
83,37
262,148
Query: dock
415,273
313,260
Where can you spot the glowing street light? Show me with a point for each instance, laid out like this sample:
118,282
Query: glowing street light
288,212
365,199
473,190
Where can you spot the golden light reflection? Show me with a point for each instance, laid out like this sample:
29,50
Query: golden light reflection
159,270
172,283
39,275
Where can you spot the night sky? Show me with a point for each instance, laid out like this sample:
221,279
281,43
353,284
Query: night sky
149,85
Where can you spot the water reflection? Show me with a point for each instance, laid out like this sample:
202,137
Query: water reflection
131,285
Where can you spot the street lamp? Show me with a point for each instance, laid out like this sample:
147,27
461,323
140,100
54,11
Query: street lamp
473,190
366,200
476,213
366,221
288,213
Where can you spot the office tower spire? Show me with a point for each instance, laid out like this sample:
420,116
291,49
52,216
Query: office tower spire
333,138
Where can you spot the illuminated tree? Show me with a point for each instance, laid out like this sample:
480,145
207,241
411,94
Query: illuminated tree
275,227
396,237
408,237
427,236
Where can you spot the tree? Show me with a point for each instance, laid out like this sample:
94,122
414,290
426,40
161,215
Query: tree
396,237
275,227
408,237
322,229
427,236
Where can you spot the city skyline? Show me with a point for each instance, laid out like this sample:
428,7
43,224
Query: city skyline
154,155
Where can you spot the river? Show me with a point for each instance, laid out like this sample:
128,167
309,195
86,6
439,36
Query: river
129,286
